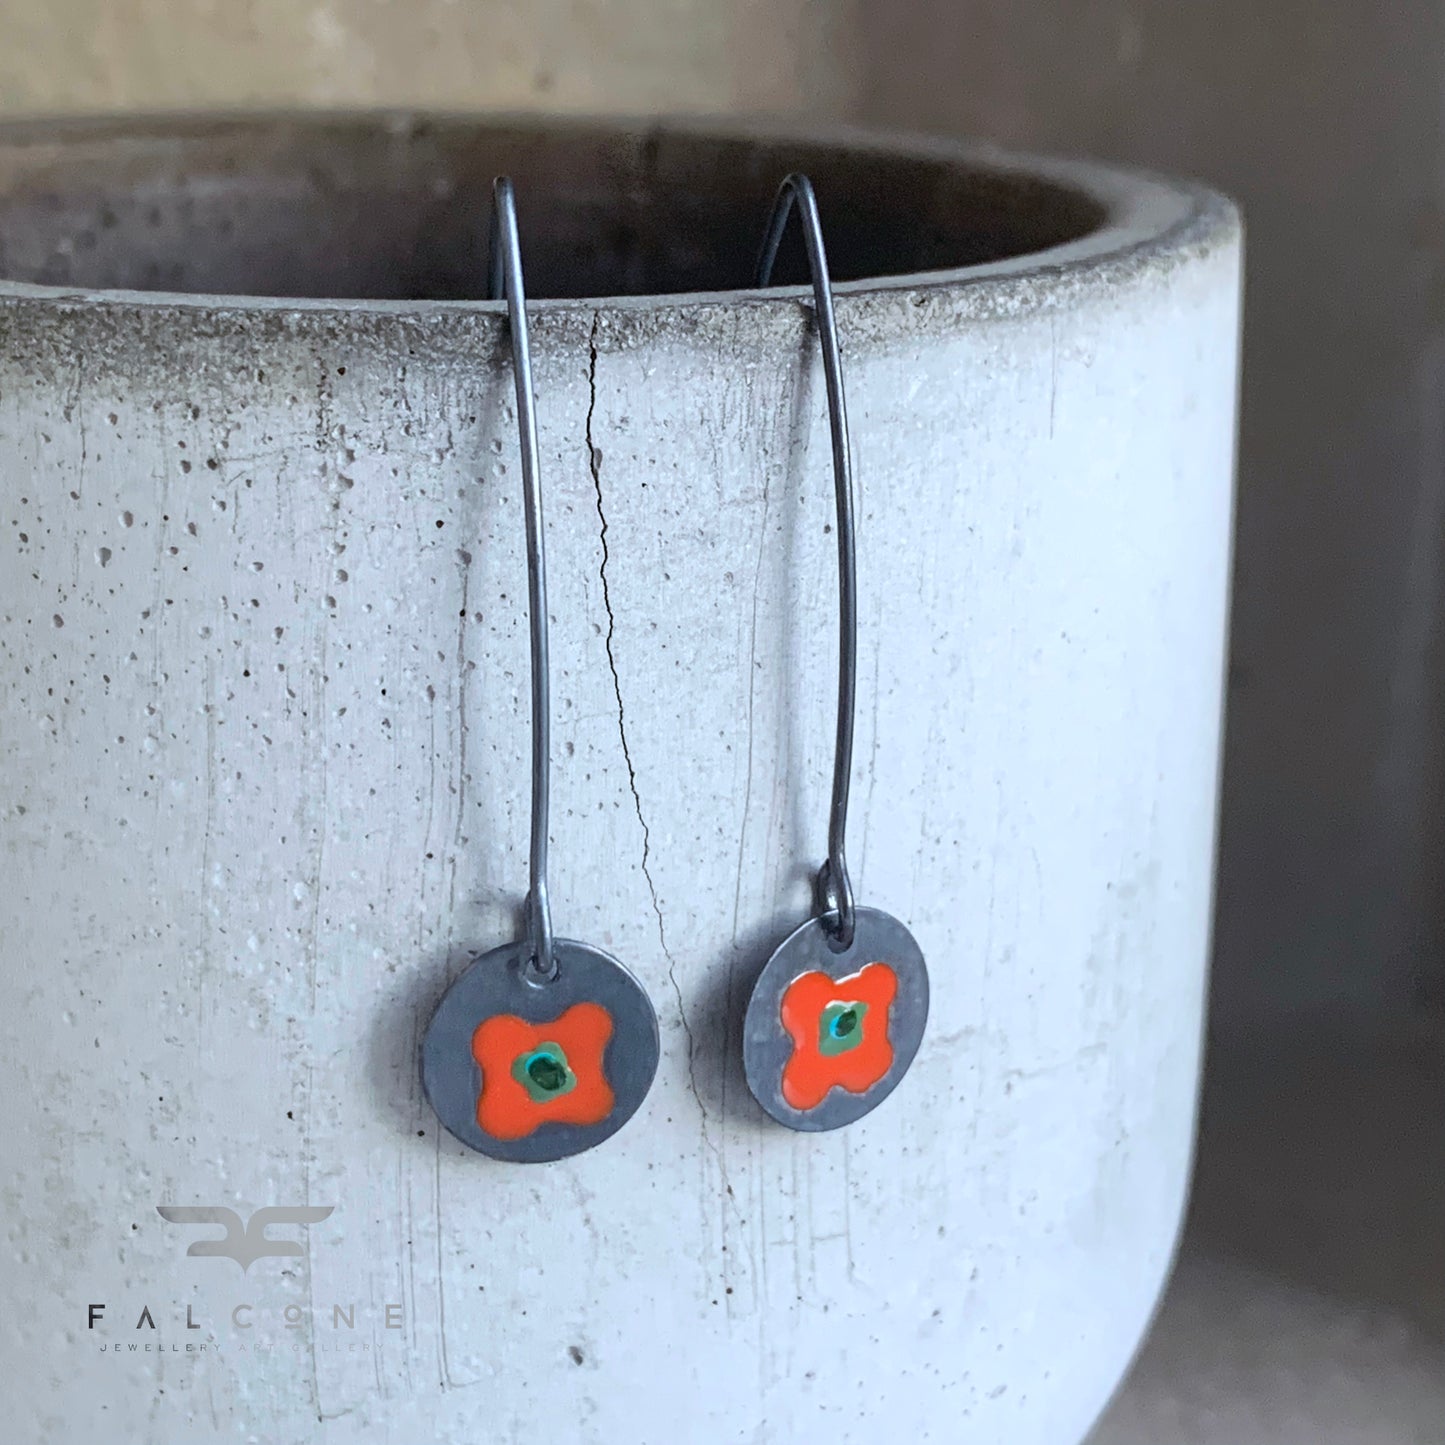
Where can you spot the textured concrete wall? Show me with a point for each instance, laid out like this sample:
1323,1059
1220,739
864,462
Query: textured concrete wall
262,697
641,55
1324,119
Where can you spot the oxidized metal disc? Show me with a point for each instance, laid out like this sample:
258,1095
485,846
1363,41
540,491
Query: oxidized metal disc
529,1071
828,1034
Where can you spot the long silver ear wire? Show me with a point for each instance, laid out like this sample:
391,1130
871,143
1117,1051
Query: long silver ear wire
835,888
543,1047
505,278
838,1012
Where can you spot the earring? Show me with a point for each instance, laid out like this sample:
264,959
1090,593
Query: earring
543,1047
838,1012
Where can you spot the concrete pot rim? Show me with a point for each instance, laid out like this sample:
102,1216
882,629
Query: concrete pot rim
1150,224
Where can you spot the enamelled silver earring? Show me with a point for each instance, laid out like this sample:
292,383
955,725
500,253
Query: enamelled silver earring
543,1047
838,1012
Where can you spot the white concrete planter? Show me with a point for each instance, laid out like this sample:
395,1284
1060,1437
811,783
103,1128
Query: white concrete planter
263,714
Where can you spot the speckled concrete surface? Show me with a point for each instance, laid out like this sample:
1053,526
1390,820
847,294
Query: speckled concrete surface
1308,1307
1242,1357
261,688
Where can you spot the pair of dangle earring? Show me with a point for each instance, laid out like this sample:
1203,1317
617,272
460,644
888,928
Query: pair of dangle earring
545,1047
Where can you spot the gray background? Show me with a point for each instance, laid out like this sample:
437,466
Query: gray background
1310,1303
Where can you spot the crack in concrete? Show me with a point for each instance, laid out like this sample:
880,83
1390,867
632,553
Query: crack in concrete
594,460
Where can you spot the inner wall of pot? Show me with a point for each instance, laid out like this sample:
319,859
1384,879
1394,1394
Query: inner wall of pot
377,207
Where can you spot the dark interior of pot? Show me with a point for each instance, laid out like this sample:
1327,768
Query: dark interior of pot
390,207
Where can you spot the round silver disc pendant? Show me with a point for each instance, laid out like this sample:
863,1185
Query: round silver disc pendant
828,1034
529,1071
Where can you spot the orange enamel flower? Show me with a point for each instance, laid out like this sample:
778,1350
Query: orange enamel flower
534,1074
839,1028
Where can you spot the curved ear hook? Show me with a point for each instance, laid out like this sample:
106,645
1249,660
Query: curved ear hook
835,889
505,277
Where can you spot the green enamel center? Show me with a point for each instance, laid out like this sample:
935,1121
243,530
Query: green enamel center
544,1073
841,1026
